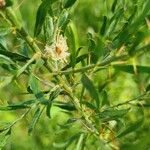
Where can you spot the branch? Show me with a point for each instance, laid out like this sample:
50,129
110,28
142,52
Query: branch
101,64
11,18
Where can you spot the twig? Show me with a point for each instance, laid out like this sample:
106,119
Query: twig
83,69
131,100
20,118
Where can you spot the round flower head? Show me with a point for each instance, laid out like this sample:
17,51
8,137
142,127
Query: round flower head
2,3
58,50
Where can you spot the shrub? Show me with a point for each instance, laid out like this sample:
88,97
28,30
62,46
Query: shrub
74,74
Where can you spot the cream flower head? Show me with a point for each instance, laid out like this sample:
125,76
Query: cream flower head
58,50
2,3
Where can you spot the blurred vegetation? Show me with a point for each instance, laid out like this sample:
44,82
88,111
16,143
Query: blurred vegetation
97,30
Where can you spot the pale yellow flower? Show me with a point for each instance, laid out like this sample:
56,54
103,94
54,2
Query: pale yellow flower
2,3
58,50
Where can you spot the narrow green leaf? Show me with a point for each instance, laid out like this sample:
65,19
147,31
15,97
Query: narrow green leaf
71,120
124,34
40,16
4,126
91,42
105,100
139,37
49,30
69,3
4,81
100,50
11,68
13,56
113,114
4,31
114,6
2,47
142,15
91,48
78,60
22,69
5,60
35,88
113,22
22,105
65,106
48,108
130,69
131,128
69,123
80,142
13,107
34,85
103,28
72,40
35,119
89,105
53,95
28,102
67,142
87,83
63,19
148,88
60,145
4,140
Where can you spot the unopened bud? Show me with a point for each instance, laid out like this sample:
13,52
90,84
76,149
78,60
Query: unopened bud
2,3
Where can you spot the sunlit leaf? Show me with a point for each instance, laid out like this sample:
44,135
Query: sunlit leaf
80,142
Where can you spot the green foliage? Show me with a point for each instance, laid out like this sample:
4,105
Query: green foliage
69,3
90,87
9,3
40,16
131,69
82,81
35,119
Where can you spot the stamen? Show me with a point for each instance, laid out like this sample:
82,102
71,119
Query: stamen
58,50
